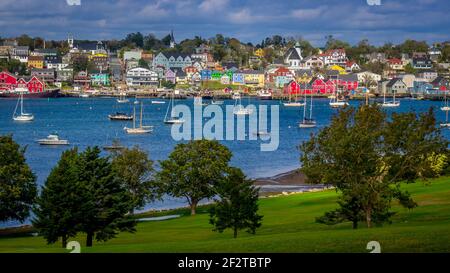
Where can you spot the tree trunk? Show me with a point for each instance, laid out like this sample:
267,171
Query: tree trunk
235,232
369,217
355,224
89,238
64,241
193,207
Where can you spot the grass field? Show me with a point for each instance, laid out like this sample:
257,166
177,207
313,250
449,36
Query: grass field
288,226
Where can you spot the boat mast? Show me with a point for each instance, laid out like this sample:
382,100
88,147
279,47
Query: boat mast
311,107
304,109
142,106
21,103
134,117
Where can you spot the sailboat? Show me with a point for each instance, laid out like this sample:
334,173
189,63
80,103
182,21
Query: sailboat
446,124
122,98
335,100
115,146
22,116
392,103
141,129
172,119
240,110
446,107
294,103
307,122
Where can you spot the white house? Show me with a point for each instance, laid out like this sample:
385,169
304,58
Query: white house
293,57
141,77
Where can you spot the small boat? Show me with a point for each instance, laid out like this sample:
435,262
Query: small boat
240,110
53,139
120,116
236,96
158,102
265,94
122,98
22,116
337,104
172,119
293,102
308,122
141,129
114,146
335,100
390,104
446,106
84,95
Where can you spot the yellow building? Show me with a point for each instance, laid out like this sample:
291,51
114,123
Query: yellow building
338,68
253,78
303,76
259,52
36,62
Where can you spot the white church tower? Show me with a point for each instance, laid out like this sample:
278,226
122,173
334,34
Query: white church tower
70,41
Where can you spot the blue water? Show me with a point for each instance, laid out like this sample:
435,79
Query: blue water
84,122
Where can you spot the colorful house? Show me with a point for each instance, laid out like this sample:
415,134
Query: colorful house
238,78
36,62
100,79
205,74
259,52
338,68
216,75
254,78
170,76
8,83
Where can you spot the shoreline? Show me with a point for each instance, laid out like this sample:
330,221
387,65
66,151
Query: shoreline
283,183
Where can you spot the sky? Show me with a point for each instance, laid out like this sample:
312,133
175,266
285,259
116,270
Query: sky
248,20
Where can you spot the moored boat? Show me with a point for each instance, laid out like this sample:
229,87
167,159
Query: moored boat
120,116
53,139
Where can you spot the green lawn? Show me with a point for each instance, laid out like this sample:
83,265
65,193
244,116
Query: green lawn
288,226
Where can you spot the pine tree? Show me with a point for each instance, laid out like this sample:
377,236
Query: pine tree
57,210
238,204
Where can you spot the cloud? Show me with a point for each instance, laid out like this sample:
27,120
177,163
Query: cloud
308,14
213,5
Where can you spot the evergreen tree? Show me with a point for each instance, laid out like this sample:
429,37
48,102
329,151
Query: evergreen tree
57,210
238,204
17,182
105,200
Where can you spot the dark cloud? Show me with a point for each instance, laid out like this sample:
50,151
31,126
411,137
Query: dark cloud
248,20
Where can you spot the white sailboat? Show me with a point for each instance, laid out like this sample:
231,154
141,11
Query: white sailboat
294,103
446,107
446,124
172,119
335,101
22,116
392,103
141,129
240,110
307,122
122,98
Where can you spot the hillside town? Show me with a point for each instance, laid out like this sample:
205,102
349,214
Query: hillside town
281,65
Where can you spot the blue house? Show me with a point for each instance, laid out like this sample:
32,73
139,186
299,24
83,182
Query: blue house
421,87
205,75
238,78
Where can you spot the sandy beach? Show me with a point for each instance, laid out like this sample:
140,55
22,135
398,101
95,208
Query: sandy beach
292,181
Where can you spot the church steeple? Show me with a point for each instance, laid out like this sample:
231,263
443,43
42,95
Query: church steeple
172,40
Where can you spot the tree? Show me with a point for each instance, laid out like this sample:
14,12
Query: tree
238,204
136,39
142,63
366,155
17,182
58,208
105,199
134,169
410,69
192,170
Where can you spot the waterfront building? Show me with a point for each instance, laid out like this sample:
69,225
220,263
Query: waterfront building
54,62
82,79
395,85
238,78
428,75
170,76
254,78
196,78
408,79
46,75
142,77
368,76
9,82
64,74
99,78
181,77
303,75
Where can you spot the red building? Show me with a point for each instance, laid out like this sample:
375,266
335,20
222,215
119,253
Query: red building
9,82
